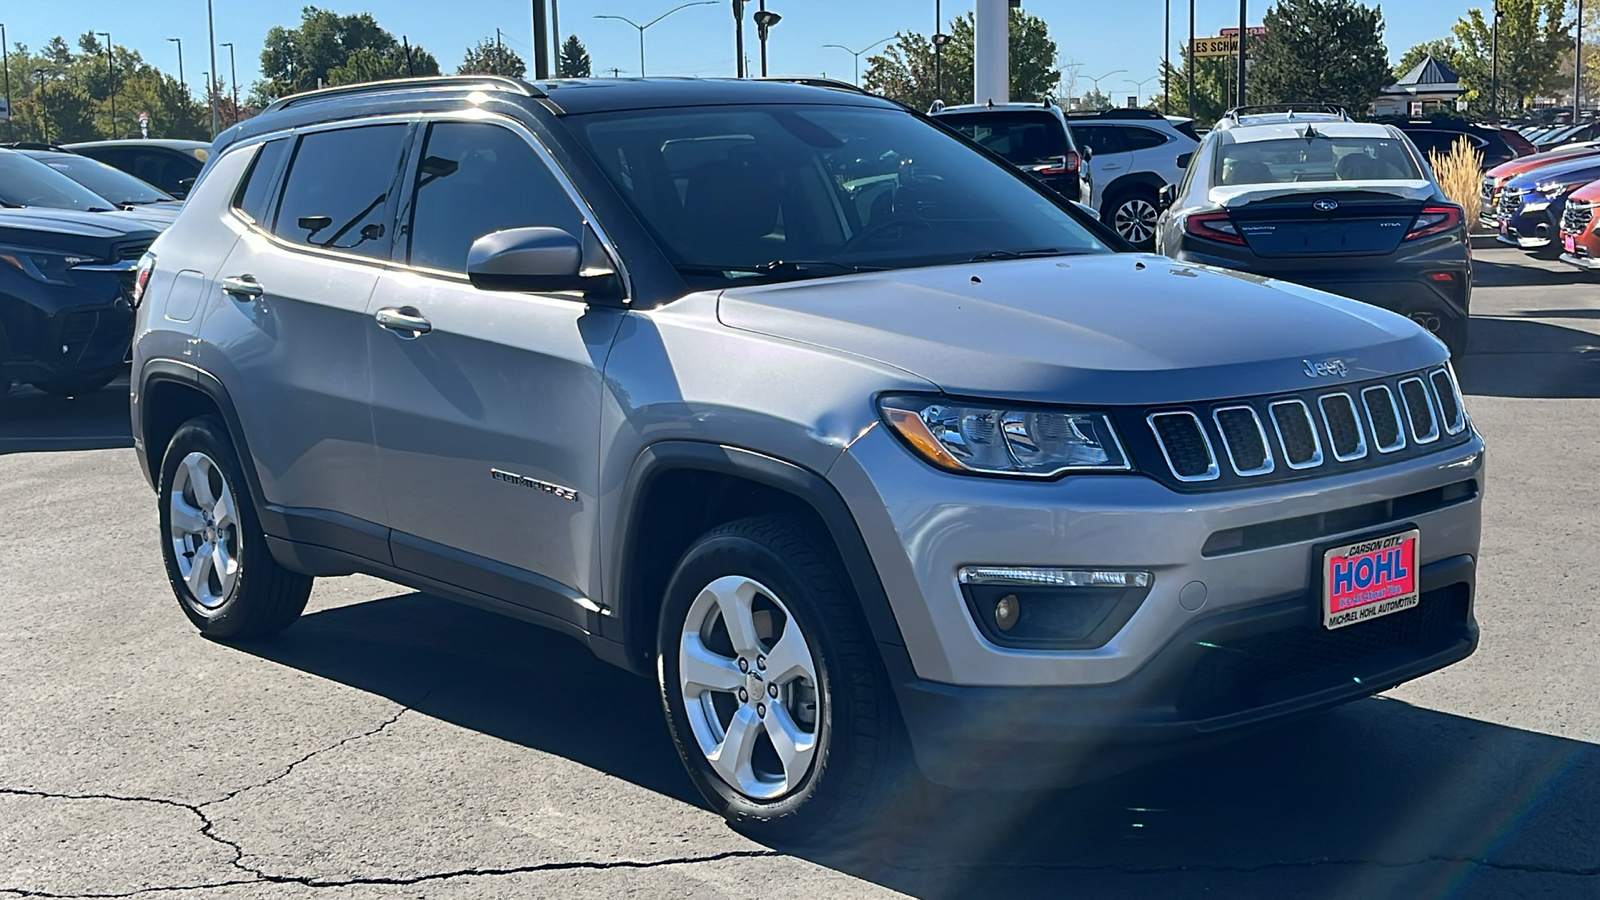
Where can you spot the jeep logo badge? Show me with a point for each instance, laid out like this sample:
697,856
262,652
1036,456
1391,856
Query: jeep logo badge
1325,205
1326,368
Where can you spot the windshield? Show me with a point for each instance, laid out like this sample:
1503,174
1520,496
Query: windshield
740,192
1315,158
113,184
27,182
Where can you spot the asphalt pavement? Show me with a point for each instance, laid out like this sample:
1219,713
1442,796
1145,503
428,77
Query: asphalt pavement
392,744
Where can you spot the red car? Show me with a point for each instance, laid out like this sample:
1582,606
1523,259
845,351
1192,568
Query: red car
1580,244
1496,178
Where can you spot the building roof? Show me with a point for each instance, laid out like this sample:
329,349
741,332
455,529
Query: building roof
1429,77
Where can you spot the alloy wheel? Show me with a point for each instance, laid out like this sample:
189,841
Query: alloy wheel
1135,220
749,684
204,530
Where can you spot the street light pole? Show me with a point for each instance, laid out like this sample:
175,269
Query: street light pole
1166,66
1188,58
1104,77
1577,68
1244,38
764,22
1494,64
179,42
646,25
44,124
233,78
938,52
738,39
857,54
1138,87
111,82
211,40
5,63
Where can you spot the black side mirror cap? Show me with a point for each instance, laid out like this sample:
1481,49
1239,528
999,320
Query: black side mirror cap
1168,195
1184,159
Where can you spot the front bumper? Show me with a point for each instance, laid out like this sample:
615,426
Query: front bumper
61,333
1530,228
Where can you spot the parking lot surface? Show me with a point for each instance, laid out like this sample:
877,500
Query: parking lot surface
391,744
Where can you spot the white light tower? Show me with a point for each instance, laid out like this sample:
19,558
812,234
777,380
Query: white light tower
991,65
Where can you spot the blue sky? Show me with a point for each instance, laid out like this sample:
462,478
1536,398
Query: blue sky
1103,35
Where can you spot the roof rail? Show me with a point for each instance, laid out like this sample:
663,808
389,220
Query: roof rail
1233,114
34,145
486,82
833,83
1115,112
936,106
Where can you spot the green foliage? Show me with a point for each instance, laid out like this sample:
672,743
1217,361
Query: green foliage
1444,50
904,71
1320,50
74,102
329,49
1213,87
1534,36
573,61
489,58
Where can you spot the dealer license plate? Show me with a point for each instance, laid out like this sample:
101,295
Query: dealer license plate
1505,227
1570,243
1369,579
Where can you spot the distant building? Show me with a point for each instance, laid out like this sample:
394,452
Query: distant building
1428,87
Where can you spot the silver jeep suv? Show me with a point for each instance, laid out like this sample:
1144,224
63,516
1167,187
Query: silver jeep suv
864,445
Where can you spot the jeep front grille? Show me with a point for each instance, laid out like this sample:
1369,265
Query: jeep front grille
1314,433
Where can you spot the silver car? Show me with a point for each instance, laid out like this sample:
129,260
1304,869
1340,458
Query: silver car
863,445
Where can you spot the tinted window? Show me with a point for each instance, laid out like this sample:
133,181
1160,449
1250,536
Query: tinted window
1431,141
1141,138
1102,139
256,194
734,192
337,191
1322,158
478,178
113,184
1020,137
25,181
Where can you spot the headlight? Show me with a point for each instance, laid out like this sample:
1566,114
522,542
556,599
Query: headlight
996,439
47,266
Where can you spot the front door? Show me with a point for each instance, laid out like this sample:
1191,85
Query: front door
486,404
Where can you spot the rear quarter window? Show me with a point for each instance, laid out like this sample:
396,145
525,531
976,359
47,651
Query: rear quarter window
255,193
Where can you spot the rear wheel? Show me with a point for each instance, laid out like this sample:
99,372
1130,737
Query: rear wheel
772,687
1134,215
217,559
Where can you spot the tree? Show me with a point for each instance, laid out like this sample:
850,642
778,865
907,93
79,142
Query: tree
1320,50
573,61
904,71
1444,50
1533,37
328,48
1213,86
488,57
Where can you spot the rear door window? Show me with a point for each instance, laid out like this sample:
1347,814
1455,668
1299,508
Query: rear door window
1020,137
477,178
339,189
1137,138
1102,139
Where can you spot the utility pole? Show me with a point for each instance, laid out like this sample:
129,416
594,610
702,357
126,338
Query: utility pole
1494,65
738,39
541,42
1189,59
1577,69
406,44
111,82
499,51
233,78
764,22
555,38
1244,37
211,40
939,41
5,62
179,42
991,67
1166,68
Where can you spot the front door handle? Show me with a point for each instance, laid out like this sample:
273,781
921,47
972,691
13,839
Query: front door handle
242,287
404,321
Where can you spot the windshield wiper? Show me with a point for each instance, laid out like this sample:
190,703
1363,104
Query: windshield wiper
1021,254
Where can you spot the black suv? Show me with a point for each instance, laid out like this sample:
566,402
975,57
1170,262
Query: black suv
1439,135
67,272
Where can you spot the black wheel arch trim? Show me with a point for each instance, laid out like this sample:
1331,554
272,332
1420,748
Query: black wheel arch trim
802,483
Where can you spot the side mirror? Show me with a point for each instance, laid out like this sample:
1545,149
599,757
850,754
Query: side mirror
1184,158
1087,152
1168,195
526,259
184,186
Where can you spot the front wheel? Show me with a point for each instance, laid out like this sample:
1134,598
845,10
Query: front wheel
217,558
772,687
1134,217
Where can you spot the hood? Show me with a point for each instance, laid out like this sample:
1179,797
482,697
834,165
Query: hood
1116,328
1524,163
71,222
1589,193
1235,195
1572,166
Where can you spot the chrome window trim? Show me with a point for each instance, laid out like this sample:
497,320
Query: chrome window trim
1427,397
1311,422
1460,423
1212,472
1399,421
1355,414
479,115
1268,464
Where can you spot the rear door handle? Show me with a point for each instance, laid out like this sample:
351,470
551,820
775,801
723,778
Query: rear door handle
242,287
404,321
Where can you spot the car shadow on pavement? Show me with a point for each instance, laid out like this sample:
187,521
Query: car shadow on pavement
1497,274
1374,799
31,421
1517,357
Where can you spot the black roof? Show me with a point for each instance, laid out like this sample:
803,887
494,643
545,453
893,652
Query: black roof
586,95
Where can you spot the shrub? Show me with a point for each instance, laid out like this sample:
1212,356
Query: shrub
1460,174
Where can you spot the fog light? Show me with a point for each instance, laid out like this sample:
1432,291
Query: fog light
1007,611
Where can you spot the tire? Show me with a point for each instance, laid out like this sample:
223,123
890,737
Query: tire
1451,329
1133,215
242,592
76,387
785,573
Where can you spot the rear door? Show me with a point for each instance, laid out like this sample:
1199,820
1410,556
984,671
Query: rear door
488,422
1111,157
295,331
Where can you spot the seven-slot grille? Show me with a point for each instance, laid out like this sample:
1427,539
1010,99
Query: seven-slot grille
1319,430
1577,216
1510,202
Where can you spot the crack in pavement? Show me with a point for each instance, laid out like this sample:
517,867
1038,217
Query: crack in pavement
487,871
